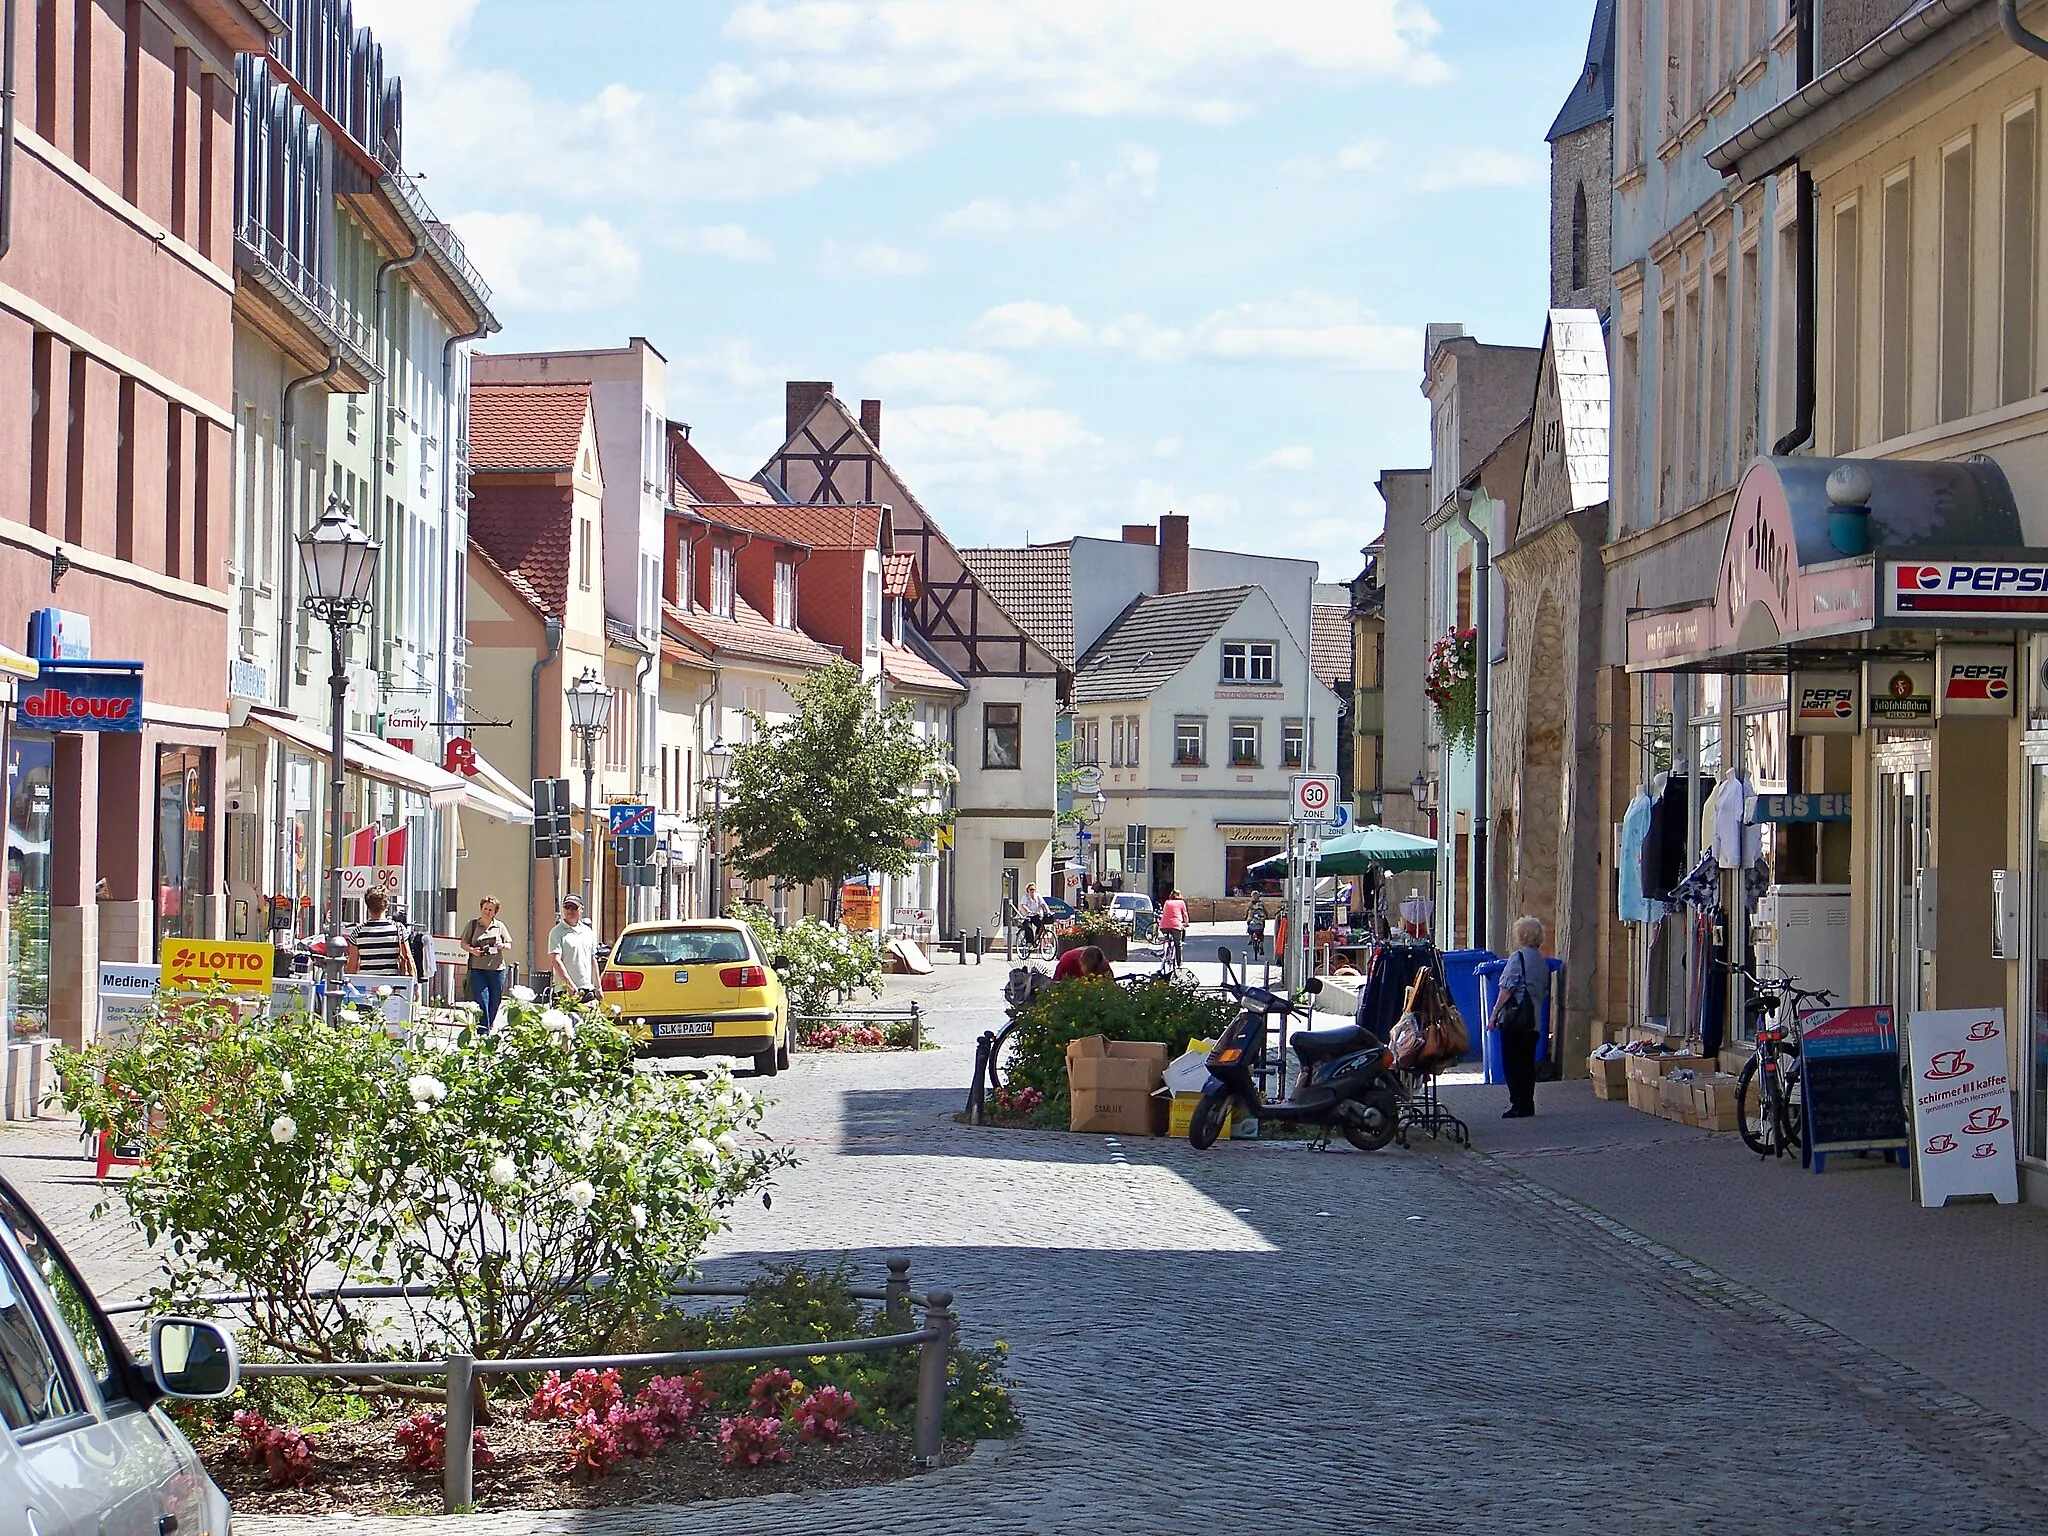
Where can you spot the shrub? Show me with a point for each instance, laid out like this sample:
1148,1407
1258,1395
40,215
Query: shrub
1168,1011
423,1445
823,1416
282,1157
593,1446
584,1392
676,1401
749,1440
1091,925
1015,1103
771,1393
283,1452
820,963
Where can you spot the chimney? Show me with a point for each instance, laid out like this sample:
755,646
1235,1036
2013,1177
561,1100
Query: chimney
1138,533
871,420
1173,552
803,396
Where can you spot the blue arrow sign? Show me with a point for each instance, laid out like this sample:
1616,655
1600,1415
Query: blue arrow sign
632,820
1340,818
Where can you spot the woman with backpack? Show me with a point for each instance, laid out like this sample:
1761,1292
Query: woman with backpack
1515,1016
1255,926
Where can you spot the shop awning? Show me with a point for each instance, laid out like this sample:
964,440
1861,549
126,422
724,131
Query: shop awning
489,793
1943,558
14,664
1362,852
365,756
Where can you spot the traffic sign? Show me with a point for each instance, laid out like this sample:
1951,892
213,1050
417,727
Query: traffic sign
1313,797
632,820
1340,818
551,832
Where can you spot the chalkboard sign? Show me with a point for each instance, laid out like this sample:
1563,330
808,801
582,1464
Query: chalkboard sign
1850,1083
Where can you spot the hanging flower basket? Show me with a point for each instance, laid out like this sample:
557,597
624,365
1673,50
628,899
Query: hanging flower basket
1450,679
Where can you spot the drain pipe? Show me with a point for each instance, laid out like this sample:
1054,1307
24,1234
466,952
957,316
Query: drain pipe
1804,233
1482,764
552,628
2008,17
7,128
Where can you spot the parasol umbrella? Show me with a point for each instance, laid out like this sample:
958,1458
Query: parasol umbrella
1360,853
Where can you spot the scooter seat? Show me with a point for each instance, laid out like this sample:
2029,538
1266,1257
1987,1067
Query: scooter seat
1325,1044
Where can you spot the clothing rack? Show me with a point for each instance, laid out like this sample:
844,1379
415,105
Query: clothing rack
1423,1111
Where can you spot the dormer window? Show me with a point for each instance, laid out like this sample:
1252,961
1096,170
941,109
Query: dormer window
723,562
785,592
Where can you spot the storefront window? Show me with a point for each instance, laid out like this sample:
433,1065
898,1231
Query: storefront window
31,768
184,841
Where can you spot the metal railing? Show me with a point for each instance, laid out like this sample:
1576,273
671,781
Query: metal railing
459,1373
909,1013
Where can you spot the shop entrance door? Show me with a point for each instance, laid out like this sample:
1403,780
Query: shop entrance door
1903,841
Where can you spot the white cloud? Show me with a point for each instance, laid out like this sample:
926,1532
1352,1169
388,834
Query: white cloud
1166,448
726,365
840,259
1133,172
950,376
732,241
1296,457
968,443
1484,168
420,34
1304,327
1362,156
532,263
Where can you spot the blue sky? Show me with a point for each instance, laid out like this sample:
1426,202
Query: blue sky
1101,259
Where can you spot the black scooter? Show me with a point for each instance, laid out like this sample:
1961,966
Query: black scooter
1347,1082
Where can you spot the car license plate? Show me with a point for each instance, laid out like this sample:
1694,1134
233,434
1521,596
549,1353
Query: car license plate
682,978
670,1029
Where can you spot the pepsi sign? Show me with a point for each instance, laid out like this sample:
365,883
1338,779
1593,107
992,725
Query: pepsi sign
1966,589
1976,680
1825,704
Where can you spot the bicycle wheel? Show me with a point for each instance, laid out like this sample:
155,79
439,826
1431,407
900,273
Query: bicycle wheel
1794,1109
1753,1112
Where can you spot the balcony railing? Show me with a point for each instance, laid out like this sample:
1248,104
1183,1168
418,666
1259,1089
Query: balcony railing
288,277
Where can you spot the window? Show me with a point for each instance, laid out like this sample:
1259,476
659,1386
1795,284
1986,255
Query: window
88,1328
618,730
1190,741
1784,344
1292,742
34,1387
1958,171
1244,743
1716,452
1131,742
785,593
1689,413
1674,65
1895,313
1748,377
1629,99
1667,410
1247,661
1580,272
722,561
1627,412
1088,741
664,779
2017,262
583,554
1002,736
1848,264
1116,741
871,614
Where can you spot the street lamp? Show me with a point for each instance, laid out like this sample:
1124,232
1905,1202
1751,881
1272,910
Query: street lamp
717,764
590,708
1379,806
1101,805
338,563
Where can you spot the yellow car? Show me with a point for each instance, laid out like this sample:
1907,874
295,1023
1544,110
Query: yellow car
704,989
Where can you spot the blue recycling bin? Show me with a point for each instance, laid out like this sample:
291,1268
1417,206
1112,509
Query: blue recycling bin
1486,974
1461,976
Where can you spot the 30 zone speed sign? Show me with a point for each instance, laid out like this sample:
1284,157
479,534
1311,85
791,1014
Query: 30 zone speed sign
1314,796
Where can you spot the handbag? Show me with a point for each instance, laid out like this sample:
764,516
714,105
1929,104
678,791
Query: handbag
1517,1009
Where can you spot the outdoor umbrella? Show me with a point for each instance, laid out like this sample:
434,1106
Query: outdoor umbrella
1361,853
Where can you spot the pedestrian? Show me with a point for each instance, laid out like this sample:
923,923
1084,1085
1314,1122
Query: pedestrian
1255,926
1081,963
485,940
1173,928
378,947
1515,1016
572,951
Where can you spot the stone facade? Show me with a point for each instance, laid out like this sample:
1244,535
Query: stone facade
1581,200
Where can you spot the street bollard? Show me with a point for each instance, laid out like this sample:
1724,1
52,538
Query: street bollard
896,1295
932,1360
916,1027
458,1471
977,1094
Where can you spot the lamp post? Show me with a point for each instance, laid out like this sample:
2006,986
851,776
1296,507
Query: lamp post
338,563
1100,806
718,763
590,709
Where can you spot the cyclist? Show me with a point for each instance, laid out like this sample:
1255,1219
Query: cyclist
1033,915
1255,926
1173,928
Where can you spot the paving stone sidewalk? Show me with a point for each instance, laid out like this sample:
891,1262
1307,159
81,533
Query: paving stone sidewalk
1260,1336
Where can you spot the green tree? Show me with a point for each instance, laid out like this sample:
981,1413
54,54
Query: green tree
843,786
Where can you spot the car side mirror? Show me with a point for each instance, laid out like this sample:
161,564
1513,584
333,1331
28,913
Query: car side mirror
1314,985
193,1359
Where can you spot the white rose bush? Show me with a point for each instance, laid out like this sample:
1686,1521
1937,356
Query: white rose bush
546,1192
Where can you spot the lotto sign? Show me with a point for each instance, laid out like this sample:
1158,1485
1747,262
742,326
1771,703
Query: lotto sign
1976,680
203,962
1824,704
1967,589
1314,796
1962,1106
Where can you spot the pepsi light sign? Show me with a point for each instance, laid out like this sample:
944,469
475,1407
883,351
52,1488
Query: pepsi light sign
102,697
1966,589
1826,704
1975,680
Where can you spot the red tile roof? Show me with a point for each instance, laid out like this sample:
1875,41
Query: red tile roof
1330,643
746,634
518,583
524,530
899,577
525,427
904,667
675,648
814,527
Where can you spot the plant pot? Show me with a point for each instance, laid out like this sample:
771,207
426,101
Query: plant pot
1114,946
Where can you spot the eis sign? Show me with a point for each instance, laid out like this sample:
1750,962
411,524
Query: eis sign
101,696
1966,589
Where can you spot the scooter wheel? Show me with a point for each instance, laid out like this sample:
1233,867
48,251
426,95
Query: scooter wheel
1206,1123
1379,1117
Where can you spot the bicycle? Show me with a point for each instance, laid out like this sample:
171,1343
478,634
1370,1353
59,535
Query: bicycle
1172,947
1028,940
1769,1112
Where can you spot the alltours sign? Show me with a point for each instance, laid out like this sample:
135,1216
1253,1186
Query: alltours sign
98,697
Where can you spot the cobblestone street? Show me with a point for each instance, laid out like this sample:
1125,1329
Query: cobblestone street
1270,1339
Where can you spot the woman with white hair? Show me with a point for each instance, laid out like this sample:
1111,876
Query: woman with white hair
1522,981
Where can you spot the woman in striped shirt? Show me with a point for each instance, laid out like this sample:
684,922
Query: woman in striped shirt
378,947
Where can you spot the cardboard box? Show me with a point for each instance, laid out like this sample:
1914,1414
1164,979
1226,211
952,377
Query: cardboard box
1181,1108
1674,1101
1610,1076
1714,1101
1643,1095
1111,1083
